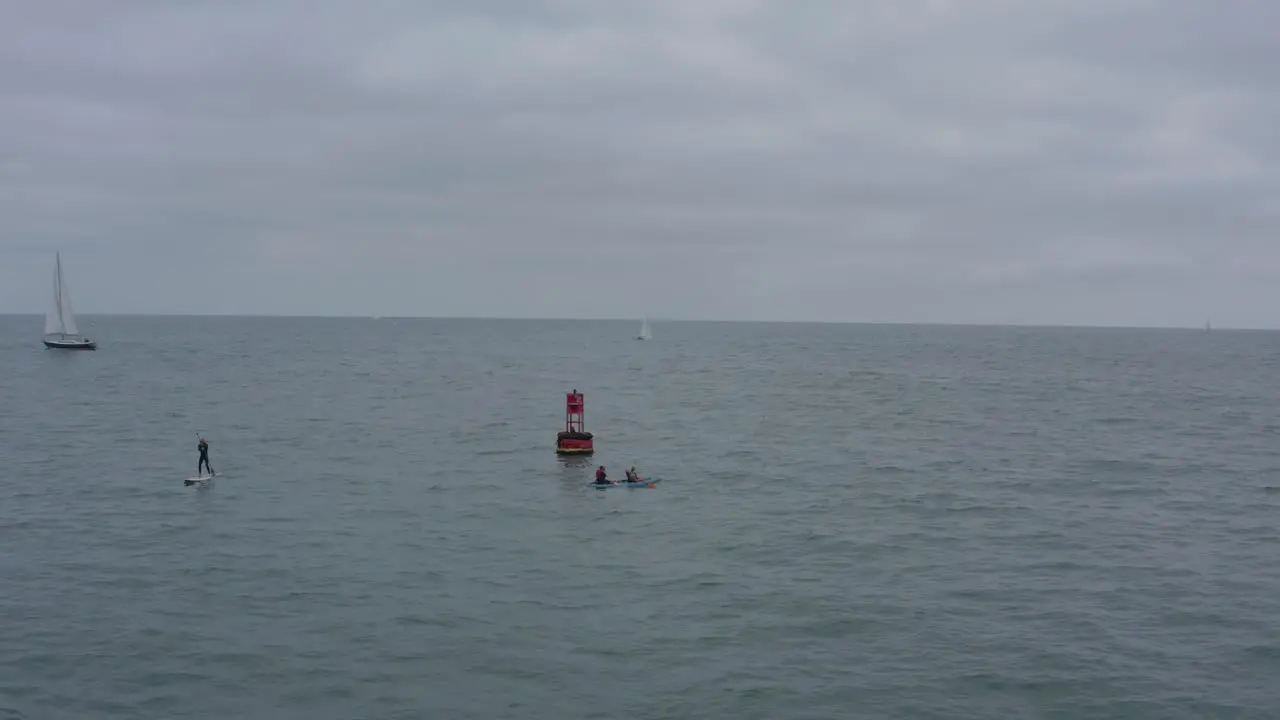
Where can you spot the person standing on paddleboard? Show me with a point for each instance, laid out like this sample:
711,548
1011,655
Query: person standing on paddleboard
204,458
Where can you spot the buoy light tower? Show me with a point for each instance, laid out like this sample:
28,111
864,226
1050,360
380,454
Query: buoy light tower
574,439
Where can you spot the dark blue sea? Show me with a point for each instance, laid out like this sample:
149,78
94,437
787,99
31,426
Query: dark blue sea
854,521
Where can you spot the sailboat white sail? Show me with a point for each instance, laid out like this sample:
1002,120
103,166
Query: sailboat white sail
60,330
644,331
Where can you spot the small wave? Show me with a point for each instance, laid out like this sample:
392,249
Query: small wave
1119,420
889,469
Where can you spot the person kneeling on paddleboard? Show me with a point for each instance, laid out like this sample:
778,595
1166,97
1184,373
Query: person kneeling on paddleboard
203,447
602,478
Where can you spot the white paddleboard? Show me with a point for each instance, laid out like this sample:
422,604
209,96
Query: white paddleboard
194,480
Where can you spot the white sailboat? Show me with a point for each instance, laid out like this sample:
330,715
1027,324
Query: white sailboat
60,329
644,331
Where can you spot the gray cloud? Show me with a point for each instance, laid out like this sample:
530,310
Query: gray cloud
924,160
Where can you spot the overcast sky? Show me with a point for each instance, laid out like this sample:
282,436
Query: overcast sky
1034,161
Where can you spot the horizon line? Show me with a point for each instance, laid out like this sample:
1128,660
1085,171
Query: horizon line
901,323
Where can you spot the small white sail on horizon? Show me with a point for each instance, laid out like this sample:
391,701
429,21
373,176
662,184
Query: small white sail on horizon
645,334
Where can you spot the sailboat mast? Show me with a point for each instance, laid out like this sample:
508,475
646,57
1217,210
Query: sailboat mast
57,294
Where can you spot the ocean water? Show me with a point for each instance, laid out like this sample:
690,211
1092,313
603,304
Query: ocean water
853,521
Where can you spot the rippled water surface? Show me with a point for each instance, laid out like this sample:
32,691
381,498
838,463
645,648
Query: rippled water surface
853,521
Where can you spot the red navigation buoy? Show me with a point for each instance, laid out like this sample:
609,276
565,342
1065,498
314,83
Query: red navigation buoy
574,439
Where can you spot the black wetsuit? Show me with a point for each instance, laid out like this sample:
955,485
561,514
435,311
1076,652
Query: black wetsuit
204,458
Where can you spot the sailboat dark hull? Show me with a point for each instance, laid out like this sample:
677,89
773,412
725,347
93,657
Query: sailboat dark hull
71,344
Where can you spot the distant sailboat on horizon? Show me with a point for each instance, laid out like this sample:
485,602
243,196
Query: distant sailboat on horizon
60,331
645,334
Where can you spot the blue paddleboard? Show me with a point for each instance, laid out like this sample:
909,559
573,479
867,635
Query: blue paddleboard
643,483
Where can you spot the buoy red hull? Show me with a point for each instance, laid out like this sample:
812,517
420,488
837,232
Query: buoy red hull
574,445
